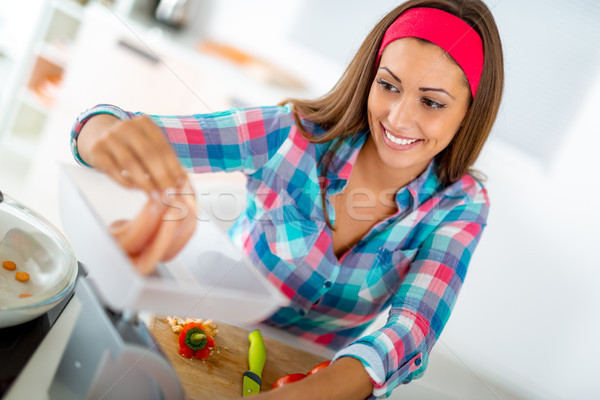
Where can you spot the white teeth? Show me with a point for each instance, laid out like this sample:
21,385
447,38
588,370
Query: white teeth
396,140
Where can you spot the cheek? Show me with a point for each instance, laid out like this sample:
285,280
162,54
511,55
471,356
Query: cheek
374,103
446,139
442,130
371,110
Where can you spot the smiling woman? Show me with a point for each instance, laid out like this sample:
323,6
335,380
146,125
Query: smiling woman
357,201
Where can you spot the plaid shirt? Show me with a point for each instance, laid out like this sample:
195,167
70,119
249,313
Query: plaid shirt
414,262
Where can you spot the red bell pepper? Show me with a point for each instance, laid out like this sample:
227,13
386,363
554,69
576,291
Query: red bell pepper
194,342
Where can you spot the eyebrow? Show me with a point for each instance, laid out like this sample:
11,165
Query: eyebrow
423,89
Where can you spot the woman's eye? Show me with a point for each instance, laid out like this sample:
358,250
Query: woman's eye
385,85
432,104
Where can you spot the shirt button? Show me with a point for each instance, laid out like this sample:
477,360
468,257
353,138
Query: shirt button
418,361
302,313
327,284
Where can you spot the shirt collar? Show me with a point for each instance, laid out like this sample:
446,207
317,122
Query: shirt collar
412,195
345,156
420,189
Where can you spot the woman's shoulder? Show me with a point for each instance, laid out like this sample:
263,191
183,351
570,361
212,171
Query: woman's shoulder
471,188
465,199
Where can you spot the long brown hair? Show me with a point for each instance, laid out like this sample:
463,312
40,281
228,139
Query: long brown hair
343,111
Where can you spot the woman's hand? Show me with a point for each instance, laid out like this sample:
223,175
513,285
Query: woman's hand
133,152
345,379
136,154
160,230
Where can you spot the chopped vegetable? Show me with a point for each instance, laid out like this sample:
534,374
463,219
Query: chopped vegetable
202,354
194,341
186,352
210,342
9,265
319,367
177,324
177,328
22,276
23,295
284,380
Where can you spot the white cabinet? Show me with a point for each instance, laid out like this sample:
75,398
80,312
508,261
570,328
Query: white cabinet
115,61
140,66
73,54
36,40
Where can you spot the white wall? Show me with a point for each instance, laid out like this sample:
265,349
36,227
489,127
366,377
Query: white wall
529,310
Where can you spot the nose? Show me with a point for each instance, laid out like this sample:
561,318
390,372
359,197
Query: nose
402,114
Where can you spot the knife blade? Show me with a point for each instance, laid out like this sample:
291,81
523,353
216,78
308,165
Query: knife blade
256,361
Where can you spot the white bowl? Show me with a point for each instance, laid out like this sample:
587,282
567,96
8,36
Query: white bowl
39,249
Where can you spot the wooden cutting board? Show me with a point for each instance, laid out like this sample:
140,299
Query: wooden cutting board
220,376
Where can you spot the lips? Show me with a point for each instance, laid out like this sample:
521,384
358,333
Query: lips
398,142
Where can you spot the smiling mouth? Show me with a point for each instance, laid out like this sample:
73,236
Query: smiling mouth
397,140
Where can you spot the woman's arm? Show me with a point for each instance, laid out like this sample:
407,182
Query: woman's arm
151,151
345,379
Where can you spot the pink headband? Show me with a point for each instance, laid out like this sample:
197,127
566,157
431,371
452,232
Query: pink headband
447,31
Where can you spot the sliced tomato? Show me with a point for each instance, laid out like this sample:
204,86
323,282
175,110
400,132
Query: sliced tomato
284,380
319,367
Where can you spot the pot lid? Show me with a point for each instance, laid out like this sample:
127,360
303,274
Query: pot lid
38,264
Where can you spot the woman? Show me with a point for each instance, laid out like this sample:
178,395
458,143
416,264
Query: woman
357,201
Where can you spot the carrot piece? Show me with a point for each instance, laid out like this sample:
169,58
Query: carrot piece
9,265
23,295
22,276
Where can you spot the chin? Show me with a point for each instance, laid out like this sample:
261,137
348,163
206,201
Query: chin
402,162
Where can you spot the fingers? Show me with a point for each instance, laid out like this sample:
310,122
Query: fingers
184,214
149,152
136,153
134,235
152,254
165,168
122,165
160,230
155,251
105,164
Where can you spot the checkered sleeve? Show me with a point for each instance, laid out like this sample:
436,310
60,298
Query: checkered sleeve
232,140
398,352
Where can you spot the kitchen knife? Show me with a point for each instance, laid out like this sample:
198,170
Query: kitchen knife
256,361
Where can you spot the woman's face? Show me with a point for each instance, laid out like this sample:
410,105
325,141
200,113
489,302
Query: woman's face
417,102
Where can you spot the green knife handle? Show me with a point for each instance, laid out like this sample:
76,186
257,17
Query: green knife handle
256,353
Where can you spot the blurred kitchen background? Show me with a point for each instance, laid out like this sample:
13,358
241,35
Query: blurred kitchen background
526,323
